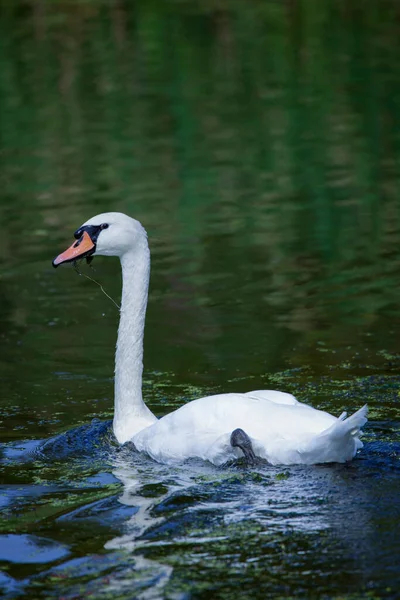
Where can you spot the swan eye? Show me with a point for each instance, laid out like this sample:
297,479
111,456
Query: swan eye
92,230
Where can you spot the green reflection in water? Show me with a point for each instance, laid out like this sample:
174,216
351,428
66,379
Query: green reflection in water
259,144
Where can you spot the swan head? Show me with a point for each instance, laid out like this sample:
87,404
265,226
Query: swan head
107,234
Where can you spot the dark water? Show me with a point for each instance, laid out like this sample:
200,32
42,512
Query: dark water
259,144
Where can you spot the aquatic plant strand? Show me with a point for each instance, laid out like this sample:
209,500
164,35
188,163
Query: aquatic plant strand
97,283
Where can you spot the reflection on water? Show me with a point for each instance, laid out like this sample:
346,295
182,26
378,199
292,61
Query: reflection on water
259,145
167,530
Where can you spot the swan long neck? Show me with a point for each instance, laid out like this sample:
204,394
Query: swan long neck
131,414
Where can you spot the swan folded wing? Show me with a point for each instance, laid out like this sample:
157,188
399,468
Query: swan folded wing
202,428
199,429
305,435
338,443
280,433
170,448
273,396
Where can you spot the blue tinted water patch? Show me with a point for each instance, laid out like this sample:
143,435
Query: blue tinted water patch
111,575
95,438
107,511
20,451
10,587
30,549
11,495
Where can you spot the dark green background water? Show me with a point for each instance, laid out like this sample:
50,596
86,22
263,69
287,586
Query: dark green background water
259,144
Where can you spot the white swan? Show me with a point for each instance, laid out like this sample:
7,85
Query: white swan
276,426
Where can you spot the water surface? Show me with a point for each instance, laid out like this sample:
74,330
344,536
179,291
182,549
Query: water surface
258,143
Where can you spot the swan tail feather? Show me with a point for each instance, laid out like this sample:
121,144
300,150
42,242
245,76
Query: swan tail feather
356,421
337,443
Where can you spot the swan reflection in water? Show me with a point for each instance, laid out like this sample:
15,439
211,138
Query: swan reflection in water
289,520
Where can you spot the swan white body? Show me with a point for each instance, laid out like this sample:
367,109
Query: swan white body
282,430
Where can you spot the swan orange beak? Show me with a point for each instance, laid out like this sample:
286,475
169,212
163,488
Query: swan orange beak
79,249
